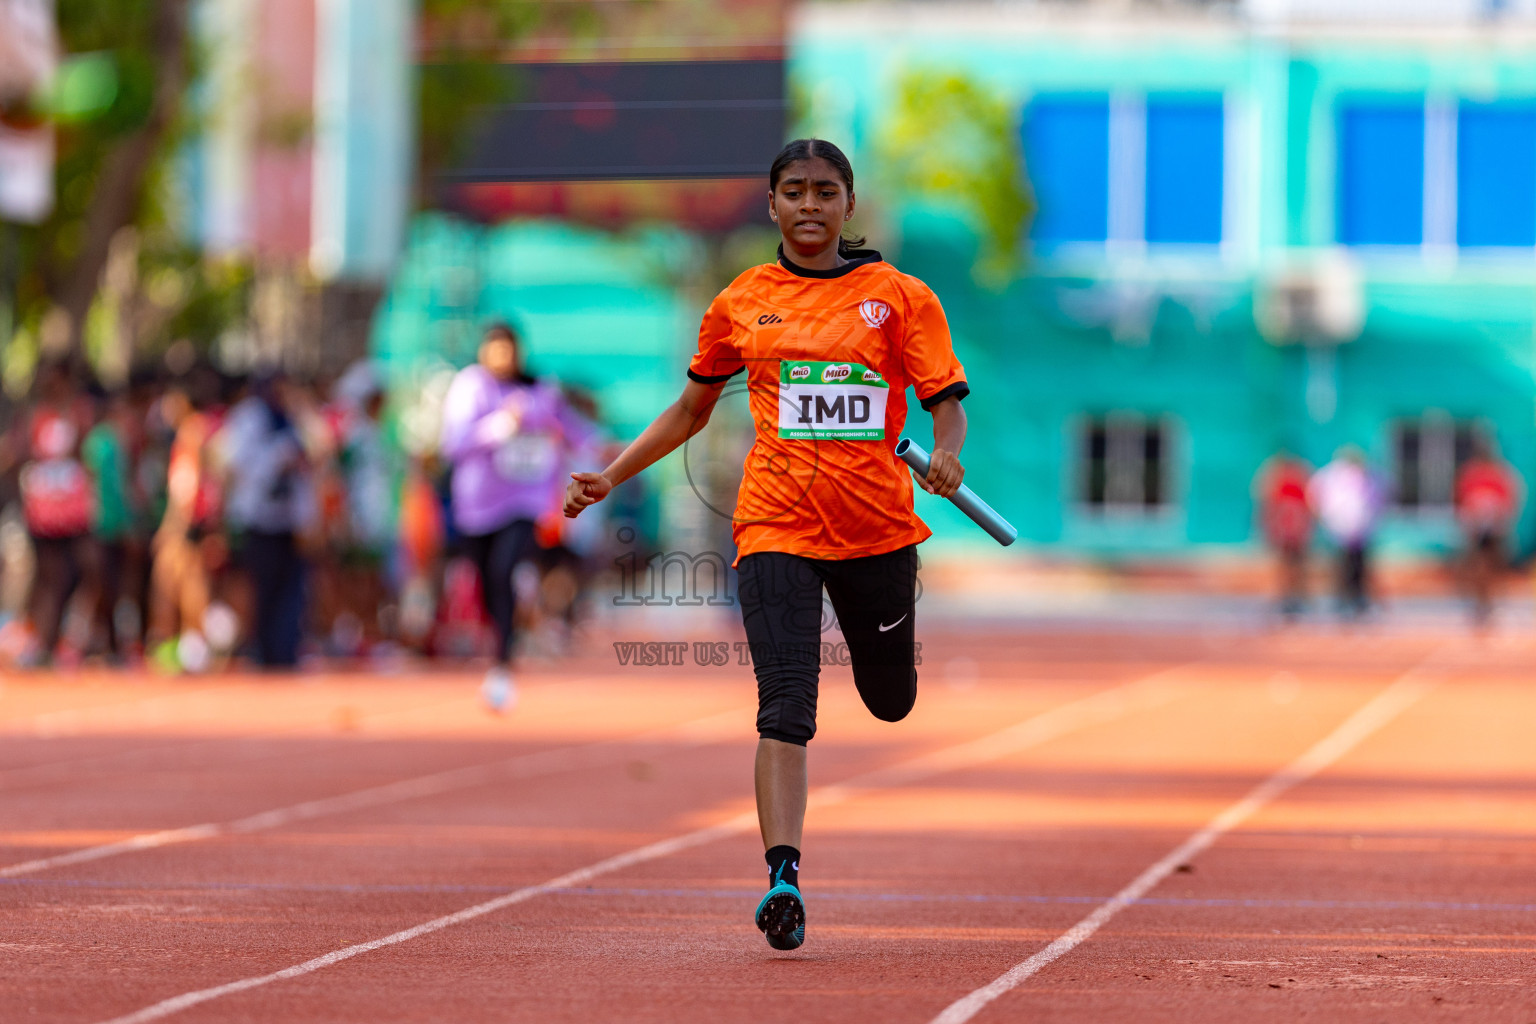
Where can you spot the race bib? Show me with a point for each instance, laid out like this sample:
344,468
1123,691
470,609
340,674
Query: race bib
526,458
831,401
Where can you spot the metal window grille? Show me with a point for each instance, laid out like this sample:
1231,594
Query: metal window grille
1427,451
1125,463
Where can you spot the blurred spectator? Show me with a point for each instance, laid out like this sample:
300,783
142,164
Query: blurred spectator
56,502
1347,499
106,456
1488,497
1287,521
180,574
508,438
573,550
320,425
270,503
150,440
367,478
422,535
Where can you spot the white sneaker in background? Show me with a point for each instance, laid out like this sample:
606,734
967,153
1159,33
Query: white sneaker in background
498,691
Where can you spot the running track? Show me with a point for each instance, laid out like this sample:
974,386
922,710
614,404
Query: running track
1091,827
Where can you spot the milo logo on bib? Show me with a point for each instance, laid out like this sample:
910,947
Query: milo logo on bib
831,401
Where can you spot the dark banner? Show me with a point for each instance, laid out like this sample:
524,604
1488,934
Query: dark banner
632,121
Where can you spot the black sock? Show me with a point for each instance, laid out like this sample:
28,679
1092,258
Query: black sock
783,865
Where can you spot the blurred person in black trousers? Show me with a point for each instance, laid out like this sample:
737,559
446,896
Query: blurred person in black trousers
269,503
107,456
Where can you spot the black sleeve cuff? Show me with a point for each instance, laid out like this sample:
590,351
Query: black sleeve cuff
959,389
719,379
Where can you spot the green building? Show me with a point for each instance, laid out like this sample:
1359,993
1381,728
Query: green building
1247,237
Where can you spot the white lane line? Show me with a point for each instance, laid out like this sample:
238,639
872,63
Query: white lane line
1097,708
1383,708
544,762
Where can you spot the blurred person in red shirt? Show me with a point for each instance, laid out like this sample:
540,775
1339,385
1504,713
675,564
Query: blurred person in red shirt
186,541
1281,493
1488,497
55,500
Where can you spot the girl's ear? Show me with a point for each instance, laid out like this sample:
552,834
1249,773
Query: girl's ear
773,214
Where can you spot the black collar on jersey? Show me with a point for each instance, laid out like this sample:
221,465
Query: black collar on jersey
856,258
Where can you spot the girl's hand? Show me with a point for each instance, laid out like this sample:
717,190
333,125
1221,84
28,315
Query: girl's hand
583,490
944,474
504,422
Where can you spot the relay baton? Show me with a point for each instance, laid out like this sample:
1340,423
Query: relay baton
965,499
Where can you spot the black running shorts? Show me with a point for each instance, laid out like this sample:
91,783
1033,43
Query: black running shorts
875,601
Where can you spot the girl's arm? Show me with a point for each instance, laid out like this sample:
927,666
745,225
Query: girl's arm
676,424
945,472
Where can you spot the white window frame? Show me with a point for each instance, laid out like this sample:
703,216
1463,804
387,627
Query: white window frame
1126,215
1437,244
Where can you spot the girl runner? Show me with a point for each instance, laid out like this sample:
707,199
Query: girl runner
508,436
831,337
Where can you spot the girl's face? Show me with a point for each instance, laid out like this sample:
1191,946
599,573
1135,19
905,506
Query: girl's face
498,354
810,204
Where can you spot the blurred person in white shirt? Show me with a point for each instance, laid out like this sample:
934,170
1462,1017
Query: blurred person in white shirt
270,503
1346,498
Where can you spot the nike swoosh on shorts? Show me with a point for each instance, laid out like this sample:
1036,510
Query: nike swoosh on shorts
893,625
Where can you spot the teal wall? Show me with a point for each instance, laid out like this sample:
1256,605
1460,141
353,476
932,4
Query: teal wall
1170,331
1083,330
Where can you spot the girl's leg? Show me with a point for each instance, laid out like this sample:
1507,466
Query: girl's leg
781,783
781,611
508,546
876,602
496,555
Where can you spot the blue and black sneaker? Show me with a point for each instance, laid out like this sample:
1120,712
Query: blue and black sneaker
781,916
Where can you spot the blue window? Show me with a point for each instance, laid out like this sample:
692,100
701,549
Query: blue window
1496,174
1185,163
1381,174
1066,153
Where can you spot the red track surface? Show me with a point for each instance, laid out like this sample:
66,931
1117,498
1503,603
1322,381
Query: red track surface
1397,883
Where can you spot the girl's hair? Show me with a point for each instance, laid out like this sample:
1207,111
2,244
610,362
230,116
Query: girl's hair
502,329
813,149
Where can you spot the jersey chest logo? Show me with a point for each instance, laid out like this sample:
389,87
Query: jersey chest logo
874,312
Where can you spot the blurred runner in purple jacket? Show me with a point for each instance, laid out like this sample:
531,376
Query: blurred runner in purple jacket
509,438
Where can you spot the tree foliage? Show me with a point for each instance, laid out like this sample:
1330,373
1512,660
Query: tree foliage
111,157
118,162
952,142
462,75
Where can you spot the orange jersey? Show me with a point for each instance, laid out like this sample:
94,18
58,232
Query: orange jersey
829,356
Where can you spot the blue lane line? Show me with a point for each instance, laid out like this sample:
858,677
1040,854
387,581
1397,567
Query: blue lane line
742,894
